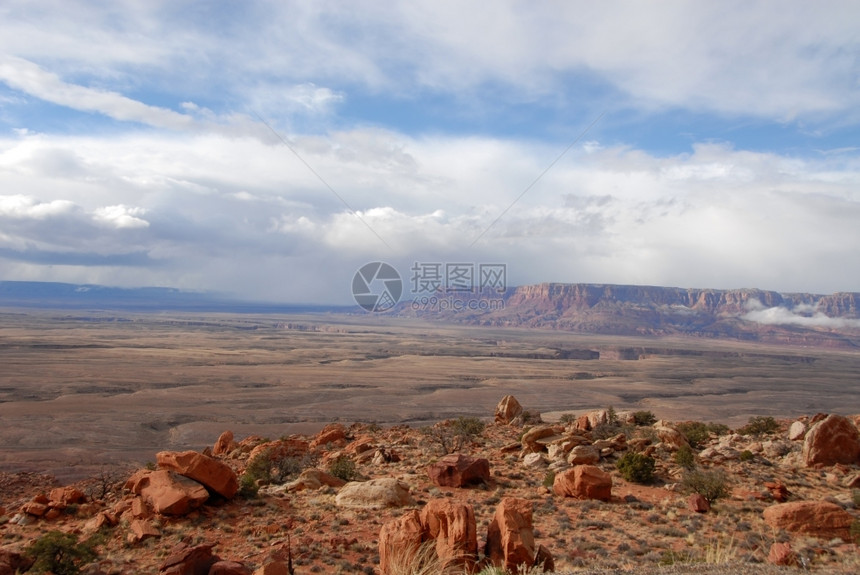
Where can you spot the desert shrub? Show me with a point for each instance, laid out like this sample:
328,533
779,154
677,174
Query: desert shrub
248,487
696,433
60,553
531,417
422,560
759,425
644,418
260,468
468,427
285,468
611,415
855,496
711,485
855,531
549,479
718,428
746,455
343,467
636,467
567,418
453,434
685,458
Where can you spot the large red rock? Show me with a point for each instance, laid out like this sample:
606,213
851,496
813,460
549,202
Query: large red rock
399,537
228,568
215,475
452,526
508,410
530,438
225,444
142,529
781,554
67,496
817,518
167,492
185,560
835,439
334,433
510,537
458,470
583,482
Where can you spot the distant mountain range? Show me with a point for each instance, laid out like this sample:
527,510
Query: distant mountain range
97,297
746,314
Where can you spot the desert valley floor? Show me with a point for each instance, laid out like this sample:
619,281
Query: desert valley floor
79,390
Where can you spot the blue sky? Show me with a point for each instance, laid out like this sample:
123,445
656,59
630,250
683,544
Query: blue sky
132,150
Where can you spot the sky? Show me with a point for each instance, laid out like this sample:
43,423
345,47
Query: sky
269,149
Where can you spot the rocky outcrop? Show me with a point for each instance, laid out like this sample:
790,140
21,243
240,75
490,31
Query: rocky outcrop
510,538
215,475
583,482
332,434
185,560
818,518
229,568
374,494
398,539
781,554
458,470
796,431
508,410
313,479
167,492
452,527
835,439
225,444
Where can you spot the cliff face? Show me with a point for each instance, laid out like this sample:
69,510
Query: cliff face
655,310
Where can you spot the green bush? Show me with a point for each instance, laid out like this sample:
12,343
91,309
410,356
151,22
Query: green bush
549,479
453,434
746,455
711,485
644,418
248,487
759,425
854,530
685,457
60,553
696,433
567,418
343,467
468,427
636,467
718,428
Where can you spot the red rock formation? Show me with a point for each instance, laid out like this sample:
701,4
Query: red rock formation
167,492
510,537
835,439
818,518
508,409
334,433
225,444
215,475
781,554
583,482
403,535
185,560
458,470
452,526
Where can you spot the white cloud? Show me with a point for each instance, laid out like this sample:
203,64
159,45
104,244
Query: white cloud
121,217
21,206
800,316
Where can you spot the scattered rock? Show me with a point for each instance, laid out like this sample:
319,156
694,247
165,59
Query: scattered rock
583,455
225,444
458,470
228,568
583,482
374,494
781,554
818,518
671,436
313,479
67,496
273,568
167,492
778,490
333,433
534,461
510,537
185,560
402,535
796,431
210,472
508,410
530,438
698,504
142,529
452,526
835,439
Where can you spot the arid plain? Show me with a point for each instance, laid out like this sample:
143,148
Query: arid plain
81,390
